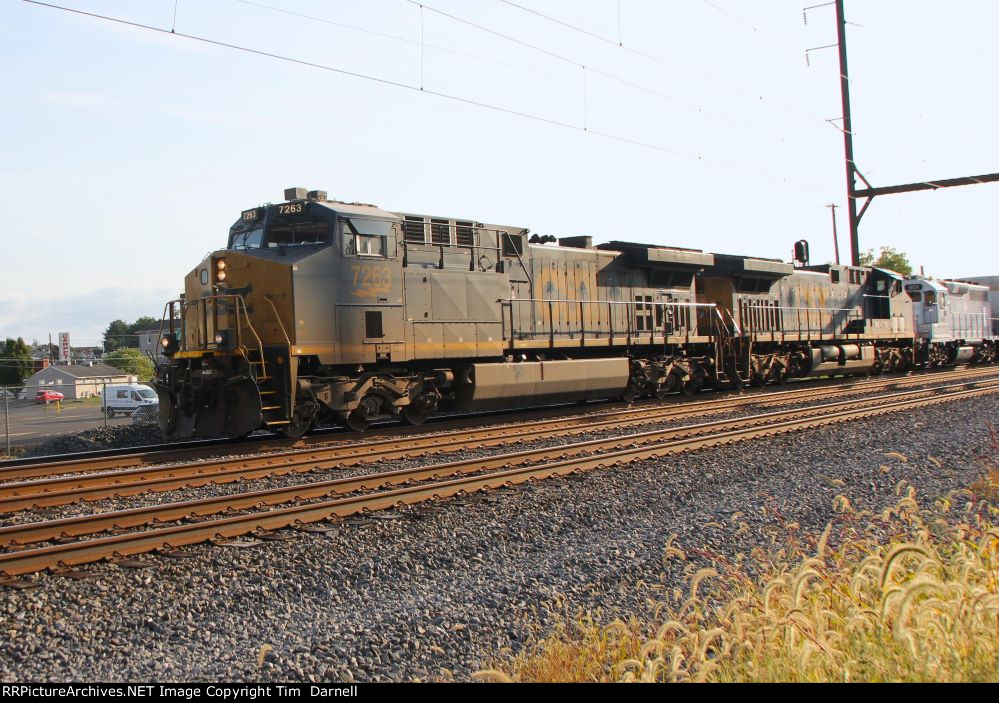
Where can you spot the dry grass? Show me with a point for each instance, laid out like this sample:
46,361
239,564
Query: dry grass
987,487
908,595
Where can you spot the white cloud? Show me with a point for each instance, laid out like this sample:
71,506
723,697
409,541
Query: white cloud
84,315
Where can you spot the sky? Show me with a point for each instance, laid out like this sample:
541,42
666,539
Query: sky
127,153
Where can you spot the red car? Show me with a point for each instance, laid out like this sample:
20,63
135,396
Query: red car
46,397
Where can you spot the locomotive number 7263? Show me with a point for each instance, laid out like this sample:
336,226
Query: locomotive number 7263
372,278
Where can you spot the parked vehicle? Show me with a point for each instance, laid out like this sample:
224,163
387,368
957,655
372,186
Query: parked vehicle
148,414
126,398
46,397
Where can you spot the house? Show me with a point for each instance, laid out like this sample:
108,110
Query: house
77,381
149,343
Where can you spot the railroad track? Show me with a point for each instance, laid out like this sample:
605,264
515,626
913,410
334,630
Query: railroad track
413,485
57,490
203,450
387,444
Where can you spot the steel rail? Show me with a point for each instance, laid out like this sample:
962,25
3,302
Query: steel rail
19,535
99,462
54,492
26,561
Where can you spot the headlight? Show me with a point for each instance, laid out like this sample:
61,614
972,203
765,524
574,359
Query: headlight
220,276
225,340
220,264
170,343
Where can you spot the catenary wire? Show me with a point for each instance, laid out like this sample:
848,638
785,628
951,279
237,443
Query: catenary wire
579,64
657,59
375,33
396,84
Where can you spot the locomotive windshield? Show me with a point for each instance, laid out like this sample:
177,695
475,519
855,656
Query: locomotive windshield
250,239
298,231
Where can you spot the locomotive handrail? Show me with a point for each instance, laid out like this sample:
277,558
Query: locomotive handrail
202,303
675,303
278,318
666,306
791,307
837,328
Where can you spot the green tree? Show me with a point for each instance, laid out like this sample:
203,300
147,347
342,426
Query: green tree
121,334
144,323
131,361
888,258
15,362
116,336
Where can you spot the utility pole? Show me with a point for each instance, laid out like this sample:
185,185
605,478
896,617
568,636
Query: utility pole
852,172
835,233
851,166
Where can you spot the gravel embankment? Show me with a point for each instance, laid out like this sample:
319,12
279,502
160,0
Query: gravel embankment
116,437
439,591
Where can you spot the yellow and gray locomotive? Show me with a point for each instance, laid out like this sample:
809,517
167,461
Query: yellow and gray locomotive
320,311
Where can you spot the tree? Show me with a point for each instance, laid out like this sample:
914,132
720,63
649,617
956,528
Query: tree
116,336
131,361
890,259
15,362
120,334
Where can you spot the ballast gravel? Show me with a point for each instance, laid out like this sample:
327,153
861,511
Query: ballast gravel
440,591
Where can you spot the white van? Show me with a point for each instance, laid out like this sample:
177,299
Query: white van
126,397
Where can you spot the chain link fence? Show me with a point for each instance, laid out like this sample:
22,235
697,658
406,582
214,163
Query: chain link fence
56,420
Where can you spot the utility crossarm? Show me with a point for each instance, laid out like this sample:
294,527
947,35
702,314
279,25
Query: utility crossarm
871,192
926,185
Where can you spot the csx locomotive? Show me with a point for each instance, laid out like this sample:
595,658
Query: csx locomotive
320,311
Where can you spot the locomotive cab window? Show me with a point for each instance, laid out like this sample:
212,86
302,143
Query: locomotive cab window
247,239
375,238
296,233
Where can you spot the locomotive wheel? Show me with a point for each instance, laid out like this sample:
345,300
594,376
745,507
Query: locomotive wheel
421,407
415,415
297,428
357,420
690,388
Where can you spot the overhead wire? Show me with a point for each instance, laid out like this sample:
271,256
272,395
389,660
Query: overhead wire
750,25
375,33
657,59
578,63
397,84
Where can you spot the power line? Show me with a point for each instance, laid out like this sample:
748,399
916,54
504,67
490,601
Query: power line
577,63
751,26
656,59
375,33
396,84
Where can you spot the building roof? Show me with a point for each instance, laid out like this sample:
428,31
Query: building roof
97,370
